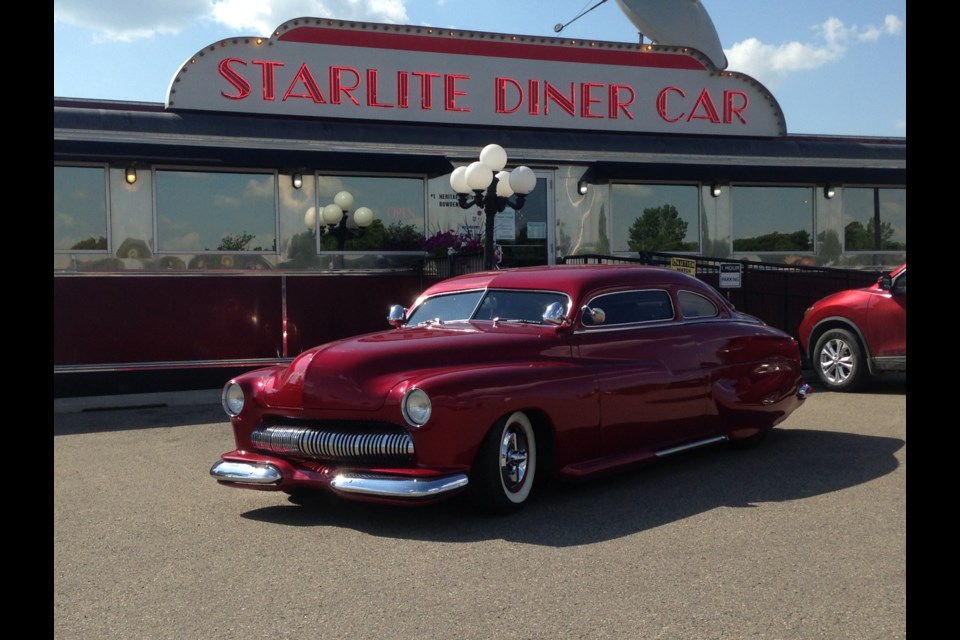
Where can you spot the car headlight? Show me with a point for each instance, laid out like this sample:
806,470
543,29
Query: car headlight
232,399
416,407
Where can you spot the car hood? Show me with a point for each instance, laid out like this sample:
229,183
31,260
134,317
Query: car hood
358,373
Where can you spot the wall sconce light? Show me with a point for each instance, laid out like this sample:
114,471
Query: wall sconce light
829,191
582,187
715,190
131,175
297,180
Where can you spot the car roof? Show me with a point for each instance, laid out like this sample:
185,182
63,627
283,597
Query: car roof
572,279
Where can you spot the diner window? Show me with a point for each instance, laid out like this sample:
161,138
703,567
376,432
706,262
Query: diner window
772,219
655,217
216,211
874,219
396,205
80,209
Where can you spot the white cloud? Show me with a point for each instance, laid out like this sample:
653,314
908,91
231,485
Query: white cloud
113,19
770,64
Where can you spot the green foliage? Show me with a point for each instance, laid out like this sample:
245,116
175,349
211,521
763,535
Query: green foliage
660,229
91,244
235,242
776,241
860,238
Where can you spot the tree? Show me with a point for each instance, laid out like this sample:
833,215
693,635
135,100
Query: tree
235,242
659,229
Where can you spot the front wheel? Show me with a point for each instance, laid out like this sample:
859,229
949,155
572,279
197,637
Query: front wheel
838,361
504,470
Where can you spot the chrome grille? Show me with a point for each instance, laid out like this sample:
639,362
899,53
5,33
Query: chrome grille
327,444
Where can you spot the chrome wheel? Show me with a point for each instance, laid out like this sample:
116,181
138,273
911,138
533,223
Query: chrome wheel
505,466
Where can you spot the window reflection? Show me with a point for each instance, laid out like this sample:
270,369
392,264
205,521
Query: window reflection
874,219
205,211
772,219
397,204
79,209
655,217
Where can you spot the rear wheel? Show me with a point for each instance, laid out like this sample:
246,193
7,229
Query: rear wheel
506,464
839,361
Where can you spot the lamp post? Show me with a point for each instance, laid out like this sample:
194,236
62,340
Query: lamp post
337,220
487,185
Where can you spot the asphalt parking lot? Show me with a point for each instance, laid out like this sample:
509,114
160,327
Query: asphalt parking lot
803,537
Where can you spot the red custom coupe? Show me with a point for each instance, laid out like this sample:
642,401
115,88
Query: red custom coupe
493,380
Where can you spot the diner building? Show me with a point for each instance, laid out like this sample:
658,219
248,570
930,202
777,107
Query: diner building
290,188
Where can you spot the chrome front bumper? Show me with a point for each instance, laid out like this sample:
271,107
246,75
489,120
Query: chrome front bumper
362,484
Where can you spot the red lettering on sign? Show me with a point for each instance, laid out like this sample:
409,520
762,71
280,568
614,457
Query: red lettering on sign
663,107
238,81
587,99
450,93
704,109
500,86
734,103
373,86
565,102
268,77
403,89
426,88
312,89
337,88
617,104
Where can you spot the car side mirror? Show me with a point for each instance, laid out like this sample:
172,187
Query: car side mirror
397,316
886,282
555,314
596,314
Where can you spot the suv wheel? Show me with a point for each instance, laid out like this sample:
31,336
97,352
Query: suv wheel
839,361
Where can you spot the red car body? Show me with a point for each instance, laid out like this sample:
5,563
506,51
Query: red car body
484,385
852,336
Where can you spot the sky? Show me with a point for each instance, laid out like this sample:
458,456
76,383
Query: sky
836,67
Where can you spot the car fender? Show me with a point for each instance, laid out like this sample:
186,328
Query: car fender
838,322
474,399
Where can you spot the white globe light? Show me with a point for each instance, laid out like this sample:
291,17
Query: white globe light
331,214
458,180
523,180
503,184
310,218
479,176
494,157
363,217
344,200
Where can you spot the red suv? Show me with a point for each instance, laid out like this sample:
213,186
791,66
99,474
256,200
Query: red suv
854,335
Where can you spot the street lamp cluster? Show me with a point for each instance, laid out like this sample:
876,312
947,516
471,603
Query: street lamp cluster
487,185
336,219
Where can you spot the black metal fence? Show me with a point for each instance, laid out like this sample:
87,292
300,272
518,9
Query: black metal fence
778,294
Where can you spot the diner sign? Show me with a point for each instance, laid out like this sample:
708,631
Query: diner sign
313,67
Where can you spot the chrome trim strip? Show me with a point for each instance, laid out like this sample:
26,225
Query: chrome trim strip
397,486
245,472
692,445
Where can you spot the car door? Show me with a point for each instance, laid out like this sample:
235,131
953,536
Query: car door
886,322
652,388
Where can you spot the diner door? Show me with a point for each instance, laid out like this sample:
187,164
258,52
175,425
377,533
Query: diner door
526,237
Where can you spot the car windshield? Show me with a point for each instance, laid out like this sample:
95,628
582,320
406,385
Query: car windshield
495,304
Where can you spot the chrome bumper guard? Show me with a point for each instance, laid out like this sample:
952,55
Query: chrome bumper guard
245,472
397,487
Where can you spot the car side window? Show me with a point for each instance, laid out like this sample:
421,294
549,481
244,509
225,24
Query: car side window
694,305
630,307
